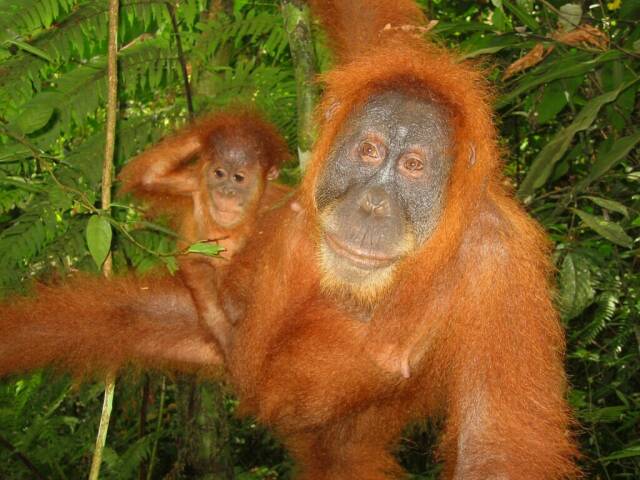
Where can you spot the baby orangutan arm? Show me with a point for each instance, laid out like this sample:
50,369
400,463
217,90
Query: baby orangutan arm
202,279
162,169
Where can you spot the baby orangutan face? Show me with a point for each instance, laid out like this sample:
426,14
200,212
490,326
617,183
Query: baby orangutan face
235,180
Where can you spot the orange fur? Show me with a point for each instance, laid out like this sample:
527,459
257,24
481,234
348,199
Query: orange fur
172,177
181,160
92,325
470,312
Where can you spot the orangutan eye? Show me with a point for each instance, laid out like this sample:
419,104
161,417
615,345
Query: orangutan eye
219,172
413,164
369,153
238,177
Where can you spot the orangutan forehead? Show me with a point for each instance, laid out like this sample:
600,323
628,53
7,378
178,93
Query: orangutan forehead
399,116
237,151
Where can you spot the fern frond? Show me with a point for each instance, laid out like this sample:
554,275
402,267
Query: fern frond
23,17
28,235
12,198
606,308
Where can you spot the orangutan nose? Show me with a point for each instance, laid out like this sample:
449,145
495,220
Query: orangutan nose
375,202
229,192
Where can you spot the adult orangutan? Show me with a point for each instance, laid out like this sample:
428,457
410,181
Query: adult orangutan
212,179
410,285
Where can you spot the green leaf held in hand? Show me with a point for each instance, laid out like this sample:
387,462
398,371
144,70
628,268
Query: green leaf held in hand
211,249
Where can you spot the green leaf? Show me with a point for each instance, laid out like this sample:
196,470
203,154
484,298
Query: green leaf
607,229
619,151
206,248
31,49
34,117
570,16
610,205
633,451
556,96
576,290
542,166
522,15
98,236
570,66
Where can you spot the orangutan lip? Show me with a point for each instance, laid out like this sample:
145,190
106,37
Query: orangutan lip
358,257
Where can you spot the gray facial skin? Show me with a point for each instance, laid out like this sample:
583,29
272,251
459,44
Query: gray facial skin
382,191
233,178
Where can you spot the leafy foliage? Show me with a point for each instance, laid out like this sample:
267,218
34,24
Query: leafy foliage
567,108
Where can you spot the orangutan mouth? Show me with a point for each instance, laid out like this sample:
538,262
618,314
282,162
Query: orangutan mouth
363,259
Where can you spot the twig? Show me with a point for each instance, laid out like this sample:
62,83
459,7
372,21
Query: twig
154,450
181,58
22,457
297,21
107,180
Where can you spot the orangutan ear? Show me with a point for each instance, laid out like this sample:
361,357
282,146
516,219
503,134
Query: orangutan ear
333,104
273,173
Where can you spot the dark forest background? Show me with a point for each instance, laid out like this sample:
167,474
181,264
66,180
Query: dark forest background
566,79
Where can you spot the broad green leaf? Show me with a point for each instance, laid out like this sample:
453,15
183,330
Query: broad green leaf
607,229
556,96
98,237
570,16
607,161
522,15
572,66
606,414
610,205
34,117
500,20
487,44
576,289
31,49
206,248
542,166
633,451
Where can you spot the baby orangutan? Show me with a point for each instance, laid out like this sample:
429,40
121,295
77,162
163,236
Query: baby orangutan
212,179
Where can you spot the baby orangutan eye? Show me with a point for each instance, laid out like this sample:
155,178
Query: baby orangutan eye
238,177
219,172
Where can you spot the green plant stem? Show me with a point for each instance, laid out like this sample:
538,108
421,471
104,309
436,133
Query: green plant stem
154,450
107,180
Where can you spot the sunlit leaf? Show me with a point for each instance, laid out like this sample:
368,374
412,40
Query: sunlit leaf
607,229
610,205
570,16
98,237
210,249
576,290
